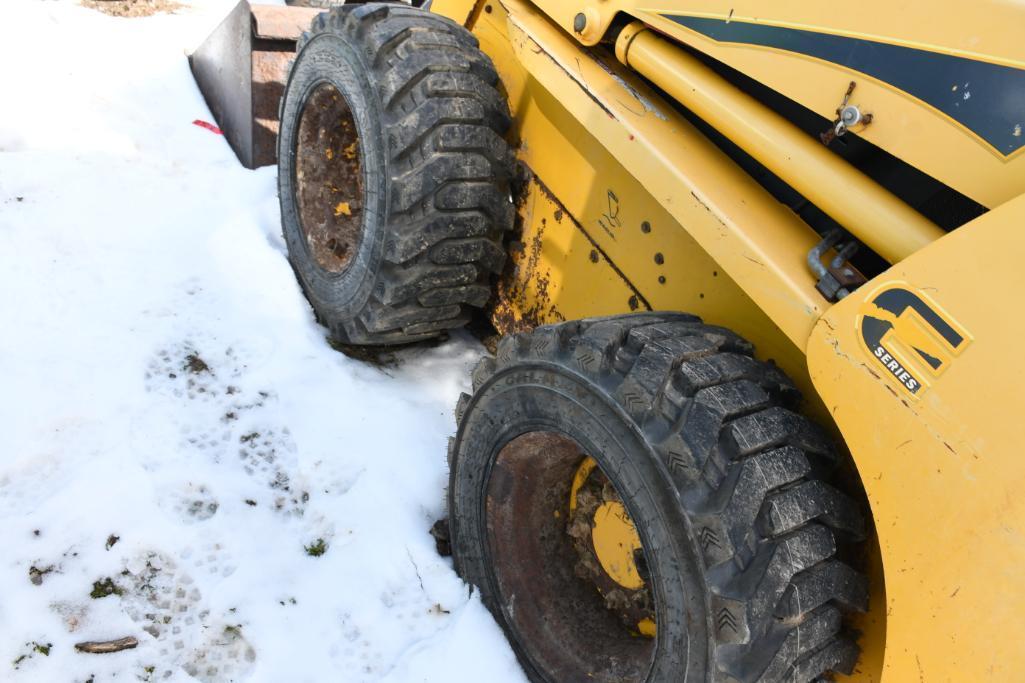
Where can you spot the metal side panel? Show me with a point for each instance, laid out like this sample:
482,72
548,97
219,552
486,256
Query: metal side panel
618,158
534,289
922,369
223,69
942,80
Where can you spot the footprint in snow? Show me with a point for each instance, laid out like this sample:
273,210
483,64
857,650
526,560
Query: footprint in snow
190,503
232,417
211,558
164,600
269,457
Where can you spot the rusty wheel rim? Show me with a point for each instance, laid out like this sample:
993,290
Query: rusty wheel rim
556,614
329,179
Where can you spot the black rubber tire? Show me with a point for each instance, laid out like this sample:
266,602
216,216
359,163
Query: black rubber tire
436,172
726,487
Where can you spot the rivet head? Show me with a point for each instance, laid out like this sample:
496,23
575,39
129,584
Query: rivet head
579,22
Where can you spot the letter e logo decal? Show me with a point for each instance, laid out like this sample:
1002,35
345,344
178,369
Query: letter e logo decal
909,336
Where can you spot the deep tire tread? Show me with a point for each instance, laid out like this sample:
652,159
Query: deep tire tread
746,467
444,120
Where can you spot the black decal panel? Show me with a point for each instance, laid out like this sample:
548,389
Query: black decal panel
987,99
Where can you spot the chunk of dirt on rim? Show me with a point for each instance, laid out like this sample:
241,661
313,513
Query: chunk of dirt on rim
133,8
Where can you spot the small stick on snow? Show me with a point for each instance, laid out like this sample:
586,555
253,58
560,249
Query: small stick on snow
416,569
101,647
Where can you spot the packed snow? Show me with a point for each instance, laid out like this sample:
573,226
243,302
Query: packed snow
184,458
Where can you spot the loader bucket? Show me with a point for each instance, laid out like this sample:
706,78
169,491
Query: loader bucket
241,70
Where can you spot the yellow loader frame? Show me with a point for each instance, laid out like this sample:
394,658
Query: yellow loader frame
630,207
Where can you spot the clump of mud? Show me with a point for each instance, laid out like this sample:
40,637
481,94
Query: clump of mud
133,8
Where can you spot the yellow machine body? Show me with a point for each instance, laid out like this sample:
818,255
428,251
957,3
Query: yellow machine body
941,466
983,31
629,206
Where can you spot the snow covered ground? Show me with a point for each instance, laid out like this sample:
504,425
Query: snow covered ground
177,438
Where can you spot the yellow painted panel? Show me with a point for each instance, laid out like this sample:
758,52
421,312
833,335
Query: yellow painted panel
986,30
942,464
459,11
588,127
555,271
866,209
619,220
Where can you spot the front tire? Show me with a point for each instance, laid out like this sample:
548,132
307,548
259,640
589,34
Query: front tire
393,174
721,479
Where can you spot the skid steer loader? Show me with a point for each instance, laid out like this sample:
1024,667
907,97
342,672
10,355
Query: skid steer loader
755,415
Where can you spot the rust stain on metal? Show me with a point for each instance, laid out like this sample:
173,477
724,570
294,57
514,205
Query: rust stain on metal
270,71
516,308
527,524
282,23
275,33
524,300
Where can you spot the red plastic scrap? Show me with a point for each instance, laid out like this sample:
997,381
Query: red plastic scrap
209,126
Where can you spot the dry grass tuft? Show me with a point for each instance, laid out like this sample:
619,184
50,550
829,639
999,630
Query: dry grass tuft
133,8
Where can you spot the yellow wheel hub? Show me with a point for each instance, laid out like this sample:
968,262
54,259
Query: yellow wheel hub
614,540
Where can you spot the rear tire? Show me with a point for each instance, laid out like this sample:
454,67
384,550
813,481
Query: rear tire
393,174
723,480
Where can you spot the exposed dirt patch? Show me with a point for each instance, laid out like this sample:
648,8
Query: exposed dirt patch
195,364
133,8
330,175
481,327
104,587
385,357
